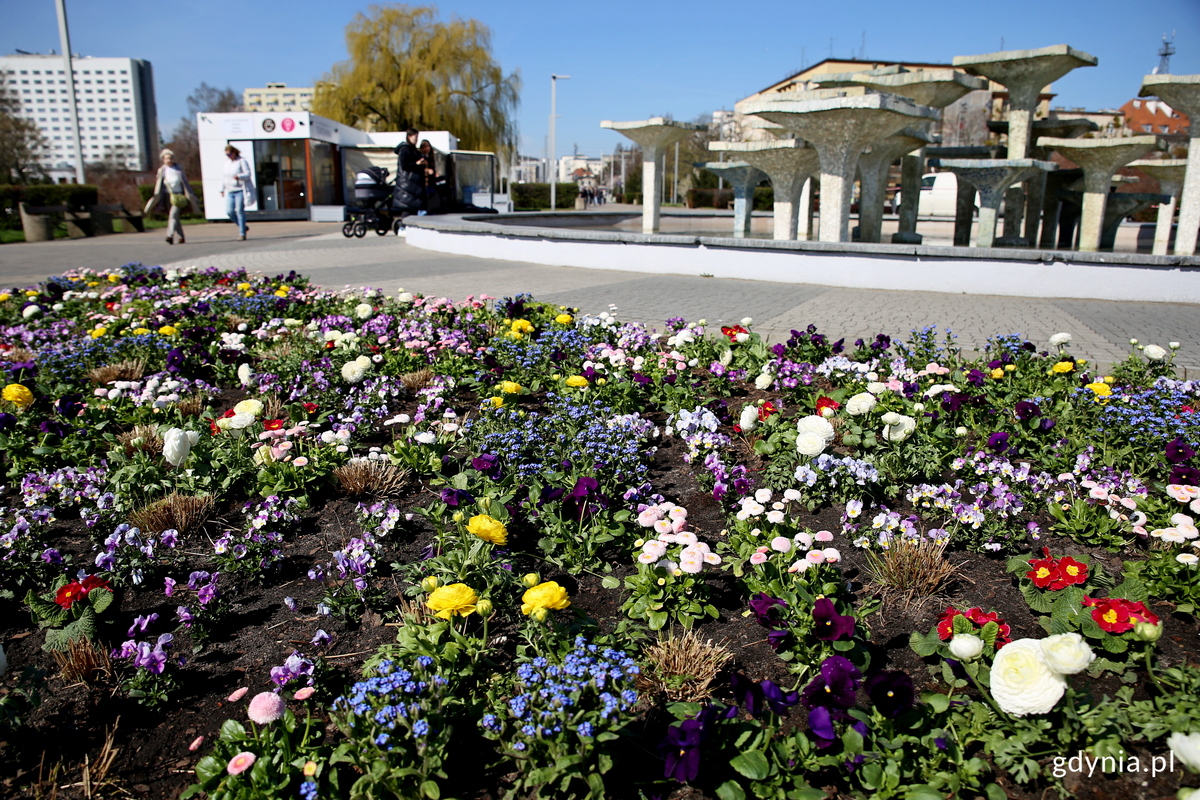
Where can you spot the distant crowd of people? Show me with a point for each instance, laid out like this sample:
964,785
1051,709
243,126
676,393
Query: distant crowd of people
592,197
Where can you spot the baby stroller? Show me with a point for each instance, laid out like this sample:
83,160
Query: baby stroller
373,205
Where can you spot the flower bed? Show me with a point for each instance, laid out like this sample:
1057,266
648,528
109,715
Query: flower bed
259,540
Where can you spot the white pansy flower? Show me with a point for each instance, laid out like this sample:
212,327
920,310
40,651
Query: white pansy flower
1067,653
1023,682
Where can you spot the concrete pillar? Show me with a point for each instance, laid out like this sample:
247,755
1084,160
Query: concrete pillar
1182,93
991,178
655,136
964,214
742,179
911,170
873,170
1165,226
788,163
1035,198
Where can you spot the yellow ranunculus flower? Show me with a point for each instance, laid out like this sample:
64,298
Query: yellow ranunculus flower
577,381
243,286
998,373
488,528
281,293
4,296
140,331
18,395
1010,367
1109,379
548,595
31,293
496,402
1101,390
249,406
96,333
564,319
1063,367
454,598
113,277
168,330
511,387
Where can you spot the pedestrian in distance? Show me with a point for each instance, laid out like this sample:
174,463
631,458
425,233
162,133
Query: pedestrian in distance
409,194
173,192
237,184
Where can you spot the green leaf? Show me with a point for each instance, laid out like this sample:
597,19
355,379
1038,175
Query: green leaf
657,620
611,582
940,703
752,764
430,789
731,790
100,599
923,791
208,768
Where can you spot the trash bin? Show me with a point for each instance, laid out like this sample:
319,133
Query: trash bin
37,227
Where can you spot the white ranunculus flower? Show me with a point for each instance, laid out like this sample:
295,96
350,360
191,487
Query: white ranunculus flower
1060,339
249,406
890,417
747,322
240,420
245,375
749,418
899,430
726,356
966,646
353,372
1174,345
1067,653
961,431
1023,682
876,388
860,404
1154,352
426,437
1186,748
764,381
31,311
405,297
363,310
177,445
818,425
810,444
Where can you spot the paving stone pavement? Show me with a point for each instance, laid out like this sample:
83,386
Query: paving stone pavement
1101,329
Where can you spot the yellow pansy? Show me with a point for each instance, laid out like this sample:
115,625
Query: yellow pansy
243,286
510,387
496,402
97,332
4,296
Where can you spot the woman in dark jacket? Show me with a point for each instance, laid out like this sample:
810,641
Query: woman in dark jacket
409,194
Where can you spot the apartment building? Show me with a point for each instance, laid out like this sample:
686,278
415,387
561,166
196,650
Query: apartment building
277,97
118,119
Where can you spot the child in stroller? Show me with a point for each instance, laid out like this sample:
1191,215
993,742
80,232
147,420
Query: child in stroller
373,205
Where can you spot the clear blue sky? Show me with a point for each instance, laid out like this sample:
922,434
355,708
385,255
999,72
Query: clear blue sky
627,60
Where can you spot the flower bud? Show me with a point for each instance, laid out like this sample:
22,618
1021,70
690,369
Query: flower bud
430,583
457,516
966,646
531,579
540,614
484,608
485,503
1148,631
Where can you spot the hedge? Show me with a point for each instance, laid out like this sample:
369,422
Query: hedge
76,196
536,196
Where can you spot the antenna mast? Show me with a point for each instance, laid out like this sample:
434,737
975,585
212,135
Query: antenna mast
1164,54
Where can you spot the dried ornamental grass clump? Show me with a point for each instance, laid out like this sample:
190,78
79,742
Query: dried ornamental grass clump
416,381
176,511
683,667
82,662
130,369
911,571
142,437
373,478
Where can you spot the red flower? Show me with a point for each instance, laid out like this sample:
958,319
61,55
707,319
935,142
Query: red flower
945,626
1118,615
311,408
93,582
212,426
228,413
976,615
330,345
67,595
1072,572
273,425
732,332
766,410
1044,572
827,402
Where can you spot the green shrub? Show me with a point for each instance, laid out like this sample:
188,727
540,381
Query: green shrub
709,198
536,196
764,198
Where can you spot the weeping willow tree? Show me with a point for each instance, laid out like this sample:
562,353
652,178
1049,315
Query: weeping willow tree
407,69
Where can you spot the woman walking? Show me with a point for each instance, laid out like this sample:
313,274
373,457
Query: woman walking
171,189
236,186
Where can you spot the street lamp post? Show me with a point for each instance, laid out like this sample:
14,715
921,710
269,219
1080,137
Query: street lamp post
553,166
76,136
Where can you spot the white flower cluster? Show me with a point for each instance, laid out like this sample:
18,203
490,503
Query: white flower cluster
343,341
354,371
1028,675
233,341
897,427
814,433
178,444
668,521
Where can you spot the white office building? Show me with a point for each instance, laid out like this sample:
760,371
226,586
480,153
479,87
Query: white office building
277,97
117,114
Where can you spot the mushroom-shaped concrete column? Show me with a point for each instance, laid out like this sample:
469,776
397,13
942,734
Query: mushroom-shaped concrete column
1099,159
936,88
873,169
1024,73
788,163
1182,93
1119,206
742,178
1169,173
839,128
654,135
990,178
